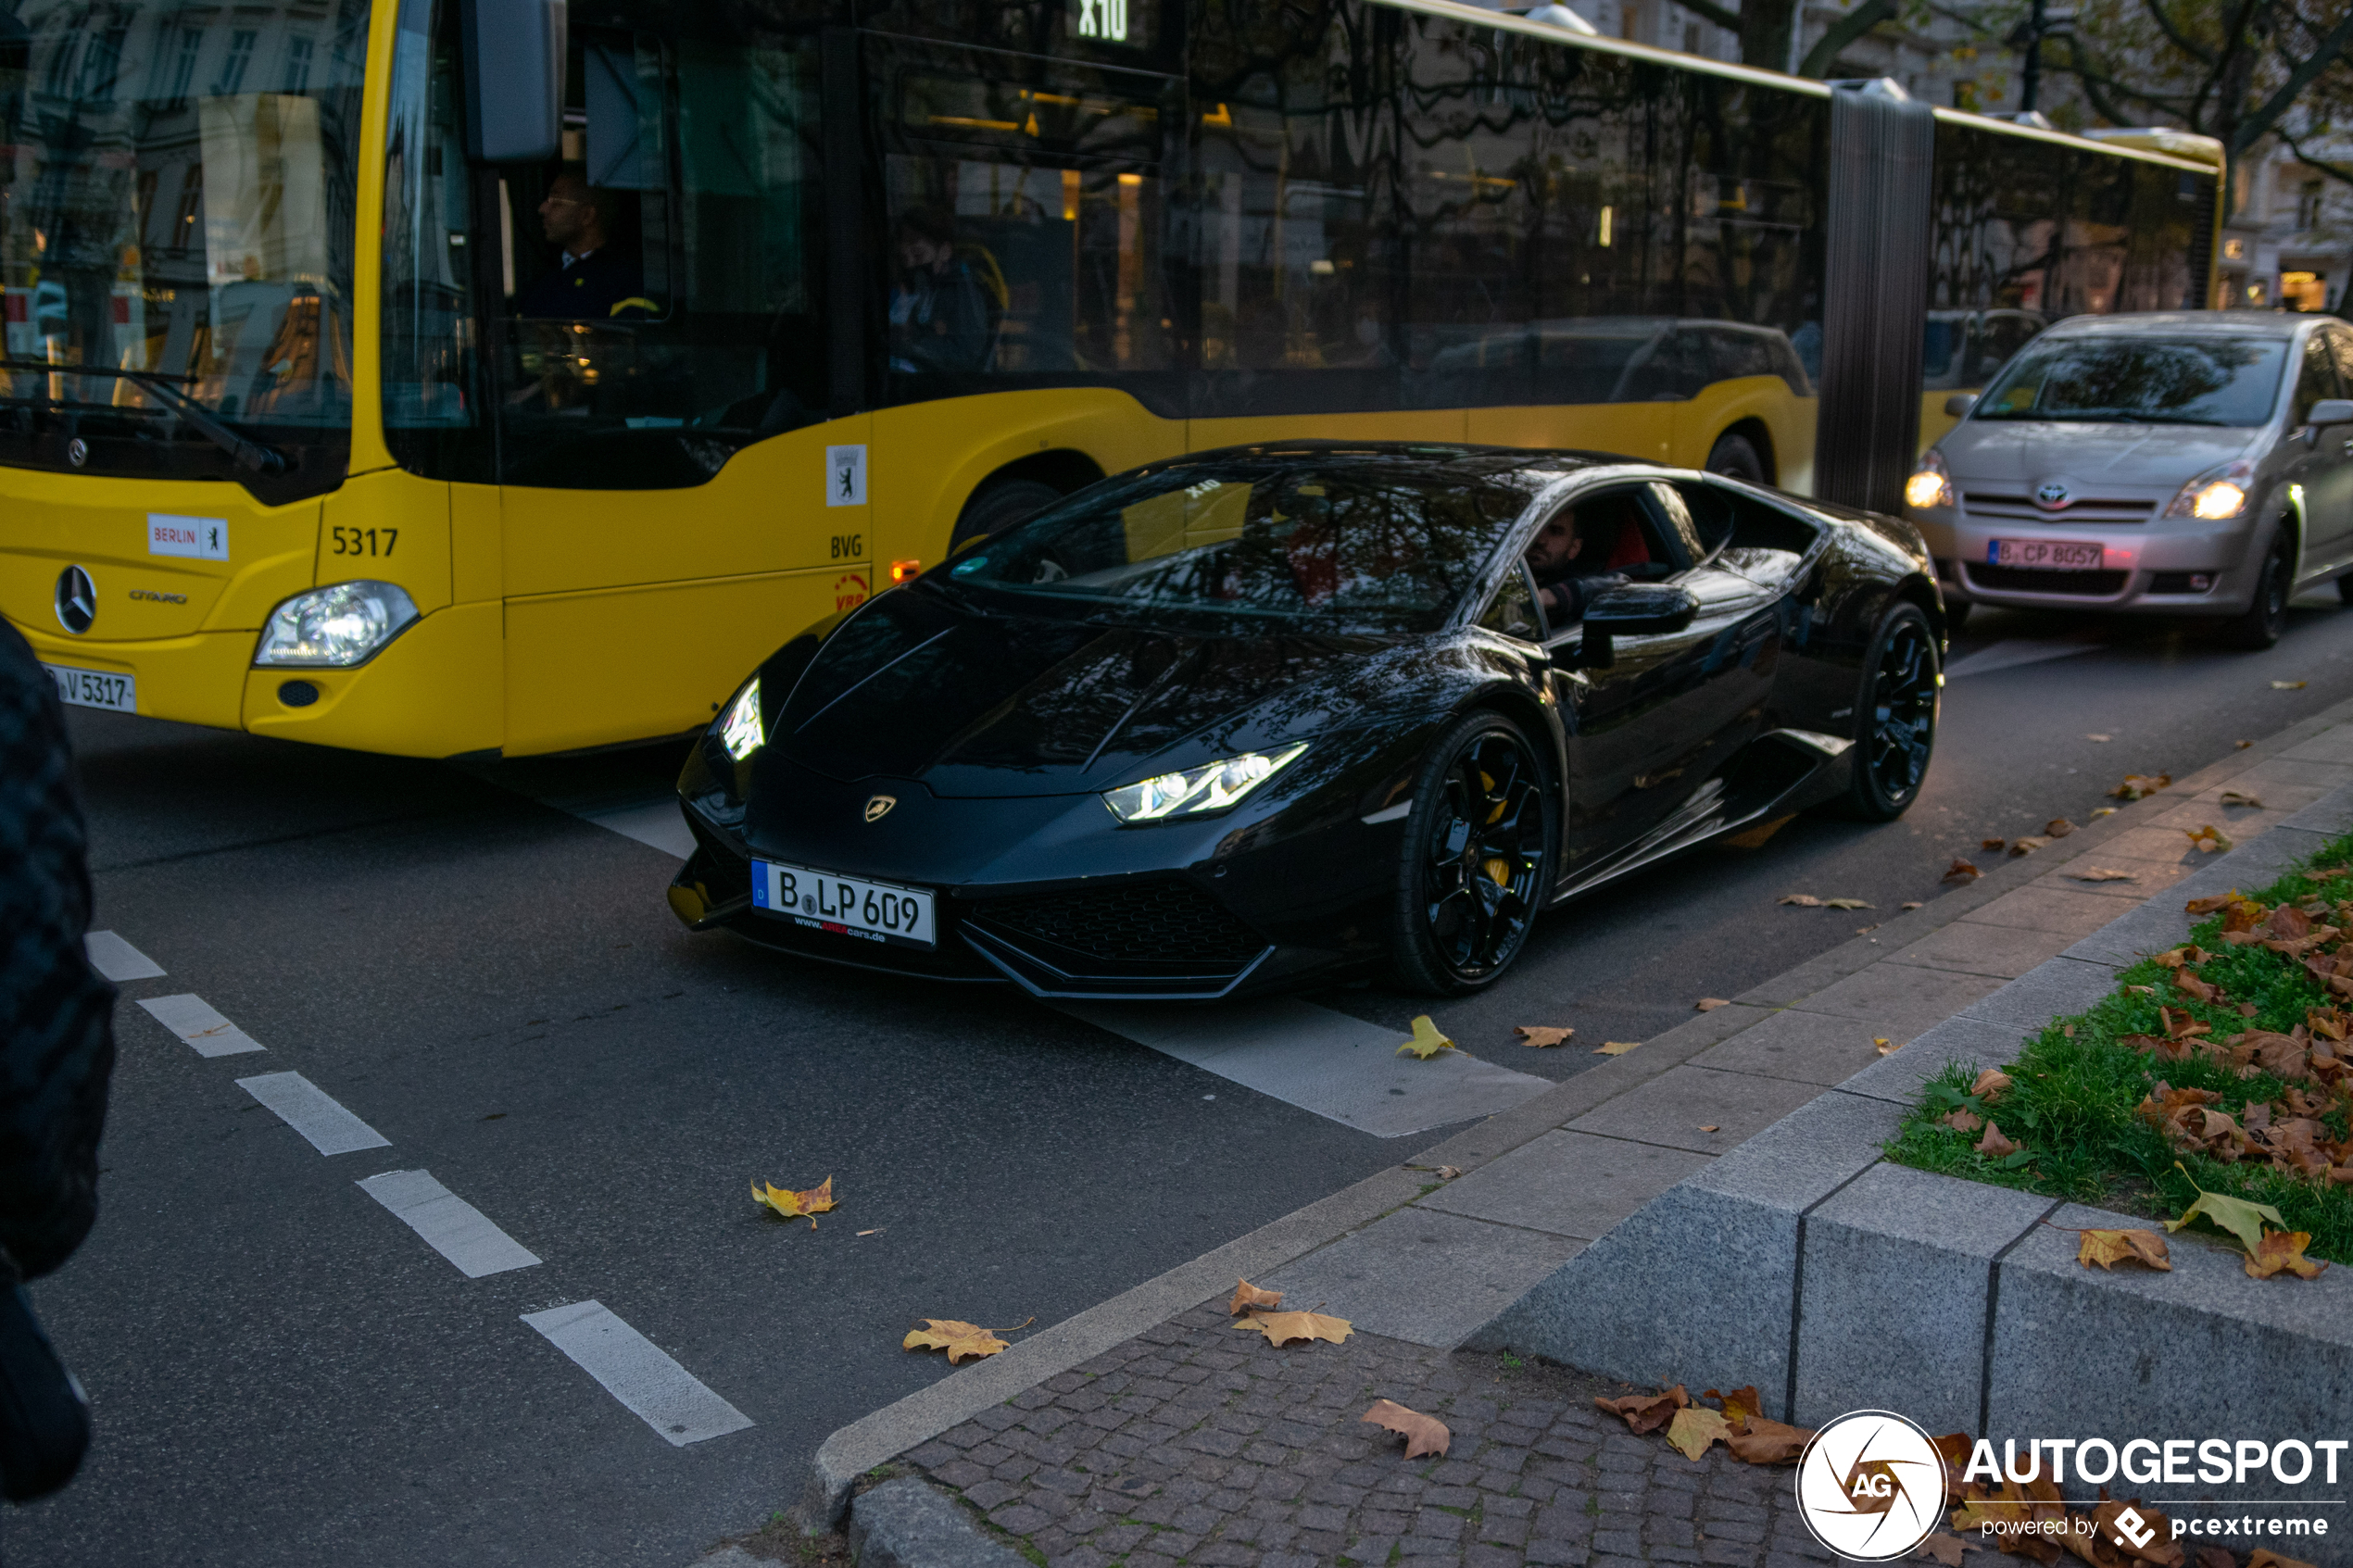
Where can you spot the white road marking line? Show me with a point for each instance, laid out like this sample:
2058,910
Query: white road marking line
118,960
659,1391
312,1111
1339,1067
192,1019
450,1226
2010,652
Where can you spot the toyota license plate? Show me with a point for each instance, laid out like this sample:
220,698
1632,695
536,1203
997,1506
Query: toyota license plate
95,688
847,906
2051,555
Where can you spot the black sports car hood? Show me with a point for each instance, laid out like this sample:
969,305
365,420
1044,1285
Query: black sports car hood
914,687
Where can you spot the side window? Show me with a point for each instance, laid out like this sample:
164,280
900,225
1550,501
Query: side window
1677,523
1711,514
2340,346
2318,378
1513,610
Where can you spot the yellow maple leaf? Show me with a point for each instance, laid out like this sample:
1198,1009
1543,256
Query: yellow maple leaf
1281,1328
2284,1250
795,1204
963,1341
1247,1295
2109,1248
1695,1430
1541,1035
1426,1041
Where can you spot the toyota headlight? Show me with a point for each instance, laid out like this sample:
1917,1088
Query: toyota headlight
741,732
334,627
1931,483
2217,493
1198,792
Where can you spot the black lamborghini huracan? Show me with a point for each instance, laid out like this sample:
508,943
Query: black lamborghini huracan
1265,716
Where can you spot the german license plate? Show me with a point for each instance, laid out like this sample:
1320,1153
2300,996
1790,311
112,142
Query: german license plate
95,688
847,906
2051,555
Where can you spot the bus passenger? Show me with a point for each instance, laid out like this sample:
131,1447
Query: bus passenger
593,279
943,310
1567,577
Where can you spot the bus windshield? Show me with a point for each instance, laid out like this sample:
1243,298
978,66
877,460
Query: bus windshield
176,221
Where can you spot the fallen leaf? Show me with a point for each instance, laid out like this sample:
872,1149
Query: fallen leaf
2103,812
1991,1086
876,1231
1991,843
2284,1250
1963,1121
963,1341
1614,1047
1281,1328
1767,1442
1711,1127
2099,737
1946,1550
1994,1144
1646,1412
2102,874
1962,871
1915,904
2241,1217
2109,1248
1422,1433
2027,846
2289,685
1695,1430
1448,1173
2241,745
1844,904
1247,1295
1865,930
2208,839
2240,798
1885,1047
1541,1035
2138,786
1739,1405
1426,1041
795,1205
1802,900
2058,827
1709,1004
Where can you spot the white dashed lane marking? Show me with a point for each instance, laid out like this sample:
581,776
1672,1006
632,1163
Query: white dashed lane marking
192,1019
659,1391
450,1226
118,960
312,1111
1339,1067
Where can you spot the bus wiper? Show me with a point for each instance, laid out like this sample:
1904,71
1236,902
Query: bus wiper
249,454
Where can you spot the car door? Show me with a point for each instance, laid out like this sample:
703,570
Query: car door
2332,494
2315,459
1654,728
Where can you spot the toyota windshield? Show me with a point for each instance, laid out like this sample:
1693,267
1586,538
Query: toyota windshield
2184,381
177,204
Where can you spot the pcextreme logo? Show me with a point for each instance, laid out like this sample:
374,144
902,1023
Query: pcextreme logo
1871,1486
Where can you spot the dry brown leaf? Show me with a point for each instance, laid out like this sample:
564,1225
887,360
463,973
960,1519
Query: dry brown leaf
1885,1047
795,1205
1915,904
1281,1328
1991,1084
2289,685
1962,871
2139,786
1844,904
1695,1430
1614,1047
1709,1004
2102,874
876,1231
1962,1120
963,1341
1994,1144
1646,1412
1541,1035
2208,839
2241,745
1447,1172
2099,737
2240,798
2109,1248
1992,843
1767,1442
2027,846
1802,900
2058,827
1422,1433
1946,1550
1739,1405
1712,1127
1247,1295
2284,1250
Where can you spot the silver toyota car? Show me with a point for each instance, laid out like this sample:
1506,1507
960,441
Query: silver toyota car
2174,463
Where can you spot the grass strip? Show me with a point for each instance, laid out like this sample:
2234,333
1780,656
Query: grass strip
2083,1105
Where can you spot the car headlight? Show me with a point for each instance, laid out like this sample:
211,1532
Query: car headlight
335,626
741,732
2217,493
1197,792
1931,483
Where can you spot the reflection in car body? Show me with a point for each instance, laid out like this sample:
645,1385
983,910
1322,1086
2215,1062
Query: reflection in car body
1629,359
1265,717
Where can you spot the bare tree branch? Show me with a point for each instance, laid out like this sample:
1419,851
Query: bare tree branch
2251,127
2337,170
2156,10
1708,10
1850,27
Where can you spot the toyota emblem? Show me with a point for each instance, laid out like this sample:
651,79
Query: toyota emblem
879,806
77,451
77,600
2051,494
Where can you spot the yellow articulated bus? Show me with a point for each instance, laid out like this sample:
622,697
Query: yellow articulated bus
466,377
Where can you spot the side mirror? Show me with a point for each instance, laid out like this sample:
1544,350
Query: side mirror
1960,404
2331,411
516,57
1640,609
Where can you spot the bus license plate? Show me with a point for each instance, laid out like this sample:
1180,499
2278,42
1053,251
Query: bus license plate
95,688
2051,555
847,906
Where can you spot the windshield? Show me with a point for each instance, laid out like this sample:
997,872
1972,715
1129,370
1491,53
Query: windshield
177,202
1362,545
2188,381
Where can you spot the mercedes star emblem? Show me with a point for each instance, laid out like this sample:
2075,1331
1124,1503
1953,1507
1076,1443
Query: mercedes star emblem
876,808
77,451
77,600
2051,493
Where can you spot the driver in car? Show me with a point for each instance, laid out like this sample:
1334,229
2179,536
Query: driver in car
1568,576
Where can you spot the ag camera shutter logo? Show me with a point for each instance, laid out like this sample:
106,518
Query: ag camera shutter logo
1871,1486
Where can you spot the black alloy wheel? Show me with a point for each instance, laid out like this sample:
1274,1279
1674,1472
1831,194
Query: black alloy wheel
1895,716
2259,625
1478,857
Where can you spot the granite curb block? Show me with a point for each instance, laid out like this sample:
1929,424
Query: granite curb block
907,1523
1804,1262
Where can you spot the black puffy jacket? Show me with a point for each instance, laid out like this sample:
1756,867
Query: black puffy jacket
56,1015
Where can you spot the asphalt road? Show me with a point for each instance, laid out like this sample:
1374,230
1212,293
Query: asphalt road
285,1374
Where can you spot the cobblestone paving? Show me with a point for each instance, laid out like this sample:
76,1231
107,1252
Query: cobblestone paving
1197,1443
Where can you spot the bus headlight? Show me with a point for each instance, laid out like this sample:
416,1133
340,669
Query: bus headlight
741,732
2217,493
334,627
1931,483
1197,792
